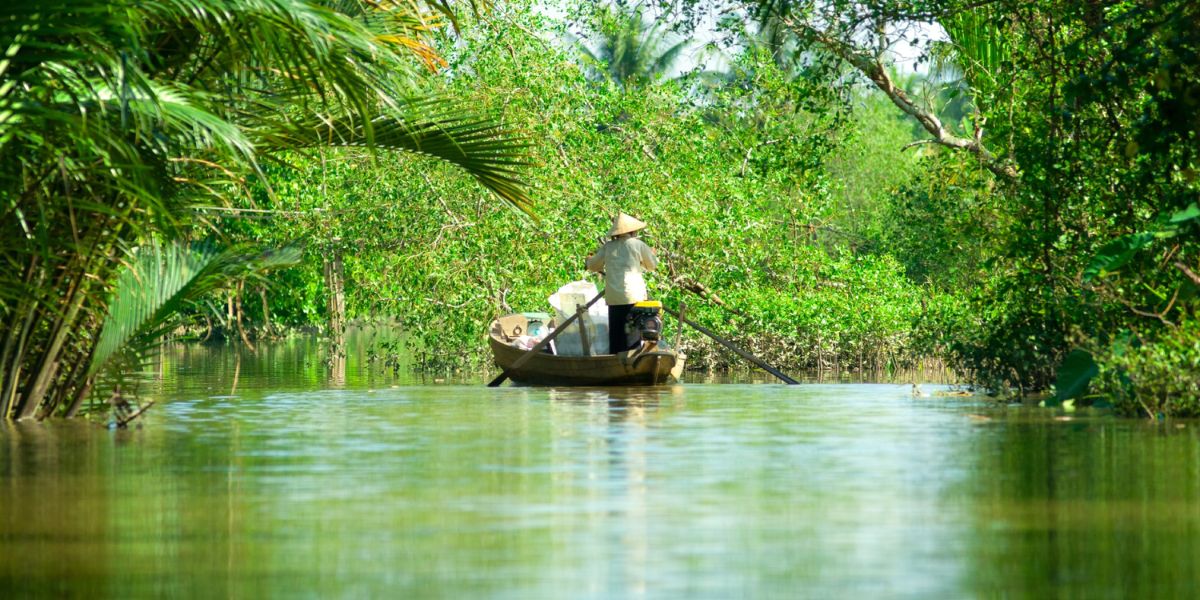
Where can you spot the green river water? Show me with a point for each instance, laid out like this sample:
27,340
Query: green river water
263,476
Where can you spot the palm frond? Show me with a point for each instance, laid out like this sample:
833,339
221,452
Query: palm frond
159,281
980,43
945,62
117,115
628,48
435,127
665,61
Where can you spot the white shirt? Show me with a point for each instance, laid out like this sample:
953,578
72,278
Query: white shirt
623,261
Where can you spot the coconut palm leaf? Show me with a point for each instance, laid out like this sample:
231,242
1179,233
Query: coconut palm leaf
159,281
435,127
978,47
665,61
629,49
406,24
116,116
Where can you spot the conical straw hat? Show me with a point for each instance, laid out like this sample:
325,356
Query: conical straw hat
625,224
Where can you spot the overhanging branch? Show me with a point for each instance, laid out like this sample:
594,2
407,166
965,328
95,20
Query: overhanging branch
872,66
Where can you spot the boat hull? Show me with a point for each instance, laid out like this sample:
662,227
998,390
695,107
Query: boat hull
650,365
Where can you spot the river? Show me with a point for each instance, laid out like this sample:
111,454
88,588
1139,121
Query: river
262,476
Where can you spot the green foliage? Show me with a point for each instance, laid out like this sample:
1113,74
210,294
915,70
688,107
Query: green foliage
627,48
1087,101
436,127
779,188
870,167
790,197
118,119
1074,375
941,225
1157,377
980,47
157,284
1116,254
734,182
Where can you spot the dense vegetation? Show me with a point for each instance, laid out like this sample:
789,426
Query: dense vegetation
1091,193
117,119
1023,207
739,186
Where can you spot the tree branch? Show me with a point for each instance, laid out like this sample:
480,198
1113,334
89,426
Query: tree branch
1186,271
872,66
917,143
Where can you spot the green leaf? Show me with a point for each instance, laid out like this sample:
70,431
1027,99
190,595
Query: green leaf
160,281
437,127
1076,371
1186,214
1115,254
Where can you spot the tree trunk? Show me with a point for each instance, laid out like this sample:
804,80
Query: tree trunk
50,361
335,282
266,308
81,395
240,310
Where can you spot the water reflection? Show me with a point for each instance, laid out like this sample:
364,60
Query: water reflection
618,420
1088,503
255,475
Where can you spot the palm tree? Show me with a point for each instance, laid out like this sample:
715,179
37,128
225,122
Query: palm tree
769,18
971,63
630,50
116,116
978,49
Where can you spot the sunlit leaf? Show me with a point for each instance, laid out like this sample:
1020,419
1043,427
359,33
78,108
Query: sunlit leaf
160,280
1187,214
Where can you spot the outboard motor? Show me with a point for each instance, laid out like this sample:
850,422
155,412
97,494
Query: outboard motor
644,321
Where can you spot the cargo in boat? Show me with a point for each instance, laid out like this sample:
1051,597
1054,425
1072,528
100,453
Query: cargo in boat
651,363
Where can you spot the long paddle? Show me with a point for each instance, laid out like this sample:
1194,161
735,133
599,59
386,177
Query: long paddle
542,344
736,350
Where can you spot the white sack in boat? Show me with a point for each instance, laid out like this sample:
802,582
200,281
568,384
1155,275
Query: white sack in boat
527,342
595,321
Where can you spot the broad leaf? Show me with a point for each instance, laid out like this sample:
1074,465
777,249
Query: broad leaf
1115,254
1186,214
1076,371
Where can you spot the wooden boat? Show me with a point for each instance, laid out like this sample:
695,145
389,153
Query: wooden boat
652,364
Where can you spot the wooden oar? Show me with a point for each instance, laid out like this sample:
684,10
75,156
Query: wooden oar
542,344
735,349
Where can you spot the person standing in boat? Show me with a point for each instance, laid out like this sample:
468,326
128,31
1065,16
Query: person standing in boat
622,259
